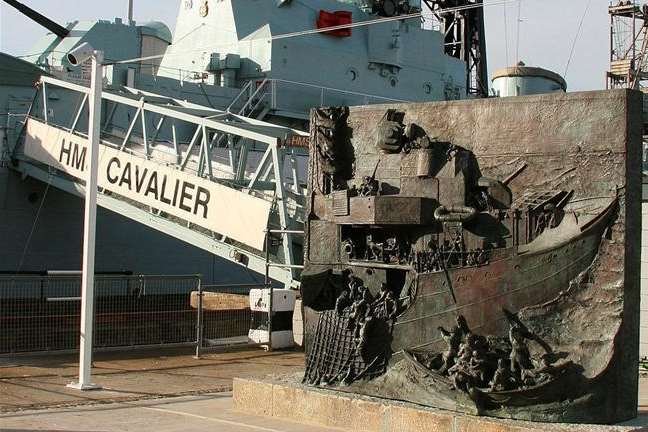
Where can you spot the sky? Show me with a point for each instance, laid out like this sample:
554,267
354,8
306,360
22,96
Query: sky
545,35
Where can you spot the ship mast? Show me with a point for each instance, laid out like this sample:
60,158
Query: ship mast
130,12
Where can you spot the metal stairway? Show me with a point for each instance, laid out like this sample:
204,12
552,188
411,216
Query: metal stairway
168,171
253,95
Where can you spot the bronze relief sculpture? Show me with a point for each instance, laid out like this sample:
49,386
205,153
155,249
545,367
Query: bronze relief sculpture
449,288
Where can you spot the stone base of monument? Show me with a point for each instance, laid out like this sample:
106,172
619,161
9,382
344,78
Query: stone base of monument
286,398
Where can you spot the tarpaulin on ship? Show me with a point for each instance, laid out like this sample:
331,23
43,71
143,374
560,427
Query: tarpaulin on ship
332,19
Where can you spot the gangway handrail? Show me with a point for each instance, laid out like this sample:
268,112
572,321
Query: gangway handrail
272,83
158,161
202,119
245,89
273,136
166,163
251,98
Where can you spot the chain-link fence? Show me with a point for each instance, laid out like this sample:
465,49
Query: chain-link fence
224,316
42,313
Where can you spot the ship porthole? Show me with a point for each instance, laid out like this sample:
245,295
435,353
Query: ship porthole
427,88
32,197
352,73
393,81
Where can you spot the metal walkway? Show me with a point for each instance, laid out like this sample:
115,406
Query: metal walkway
216,180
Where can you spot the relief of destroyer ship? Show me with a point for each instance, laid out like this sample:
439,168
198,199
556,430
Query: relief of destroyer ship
424,243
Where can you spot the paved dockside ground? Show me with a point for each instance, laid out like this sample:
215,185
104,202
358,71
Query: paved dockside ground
152,391
40,381
211,413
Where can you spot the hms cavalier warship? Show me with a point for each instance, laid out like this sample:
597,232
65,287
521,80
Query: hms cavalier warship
237,78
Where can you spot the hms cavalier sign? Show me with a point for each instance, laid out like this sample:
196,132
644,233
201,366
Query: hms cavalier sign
207,204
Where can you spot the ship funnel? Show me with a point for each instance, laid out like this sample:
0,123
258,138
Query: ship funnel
50,25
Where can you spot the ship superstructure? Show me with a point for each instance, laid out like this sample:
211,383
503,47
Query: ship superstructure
219,47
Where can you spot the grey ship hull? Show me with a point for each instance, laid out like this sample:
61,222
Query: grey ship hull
122,244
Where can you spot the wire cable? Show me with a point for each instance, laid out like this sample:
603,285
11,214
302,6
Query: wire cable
578,32
190,33
382,20
40,54
416,15
33,228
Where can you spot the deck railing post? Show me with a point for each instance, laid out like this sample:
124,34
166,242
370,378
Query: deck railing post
199,321
268,285
45,113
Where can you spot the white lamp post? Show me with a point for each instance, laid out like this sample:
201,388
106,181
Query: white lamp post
77,56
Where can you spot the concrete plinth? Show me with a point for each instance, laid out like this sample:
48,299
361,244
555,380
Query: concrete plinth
285,398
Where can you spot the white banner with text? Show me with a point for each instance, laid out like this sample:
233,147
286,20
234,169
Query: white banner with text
210,205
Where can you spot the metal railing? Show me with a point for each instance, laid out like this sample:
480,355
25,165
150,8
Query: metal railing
180,121
42,313
224,317
285,95
227,321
